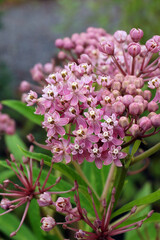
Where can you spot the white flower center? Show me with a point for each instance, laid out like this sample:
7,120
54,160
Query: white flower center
50,119
105,134
115,151
95,150
76,146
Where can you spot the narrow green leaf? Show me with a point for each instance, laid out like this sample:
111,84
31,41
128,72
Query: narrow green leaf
9,223
153,197
12,142
35,218
135,147
26,111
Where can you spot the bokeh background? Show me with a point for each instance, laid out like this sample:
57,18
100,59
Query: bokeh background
28,29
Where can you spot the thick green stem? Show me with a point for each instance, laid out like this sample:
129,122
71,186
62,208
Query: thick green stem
119,182
79,170
108,181
146,154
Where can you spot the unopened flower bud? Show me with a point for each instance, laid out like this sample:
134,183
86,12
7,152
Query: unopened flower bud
134,130
127,100
80,235
59,43
116,93
48,223
152,106
152,45
147,95
134,108
123,122
120,36
136,34
133,210
145,123
5,203
24,86
134,49
119,107
62,55
138,99
107,47
79,49
44,200
131,89
155,120
63,204
116,86
139,82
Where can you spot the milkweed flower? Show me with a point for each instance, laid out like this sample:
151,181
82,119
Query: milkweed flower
101,228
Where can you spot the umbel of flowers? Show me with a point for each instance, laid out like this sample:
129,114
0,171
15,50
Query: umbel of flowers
101,229
88,111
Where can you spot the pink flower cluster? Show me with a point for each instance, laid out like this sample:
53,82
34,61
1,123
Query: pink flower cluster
7,125
101,227
91,104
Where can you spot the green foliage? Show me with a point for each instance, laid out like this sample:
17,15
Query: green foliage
12,143
8,224
27,112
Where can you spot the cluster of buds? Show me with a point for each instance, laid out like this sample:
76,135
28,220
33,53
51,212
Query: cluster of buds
101,228
7,125
24,192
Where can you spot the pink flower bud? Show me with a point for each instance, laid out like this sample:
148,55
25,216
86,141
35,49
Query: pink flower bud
147,95
62,55
1,107
107,47
79,49
139,82
63,204
119,107
134,108
80,235
48,68
5,203
116,85
155,120
123,122
134,49
24,86
131,89
45,199
67,43
151,114
152,106
116,93
59,43
120,36
48,223
136,34
134,130
138,99
145,123
141,107
152,45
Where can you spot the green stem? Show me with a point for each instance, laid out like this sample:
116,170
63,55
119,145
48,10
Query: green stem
146,154
79,170
58,233
119,181
108,181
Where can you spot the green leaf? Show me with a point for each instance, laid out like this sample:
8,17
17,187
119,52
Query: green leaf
35,218
153,197
12,142
93,173
26,111
135,147
9,223
6,174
